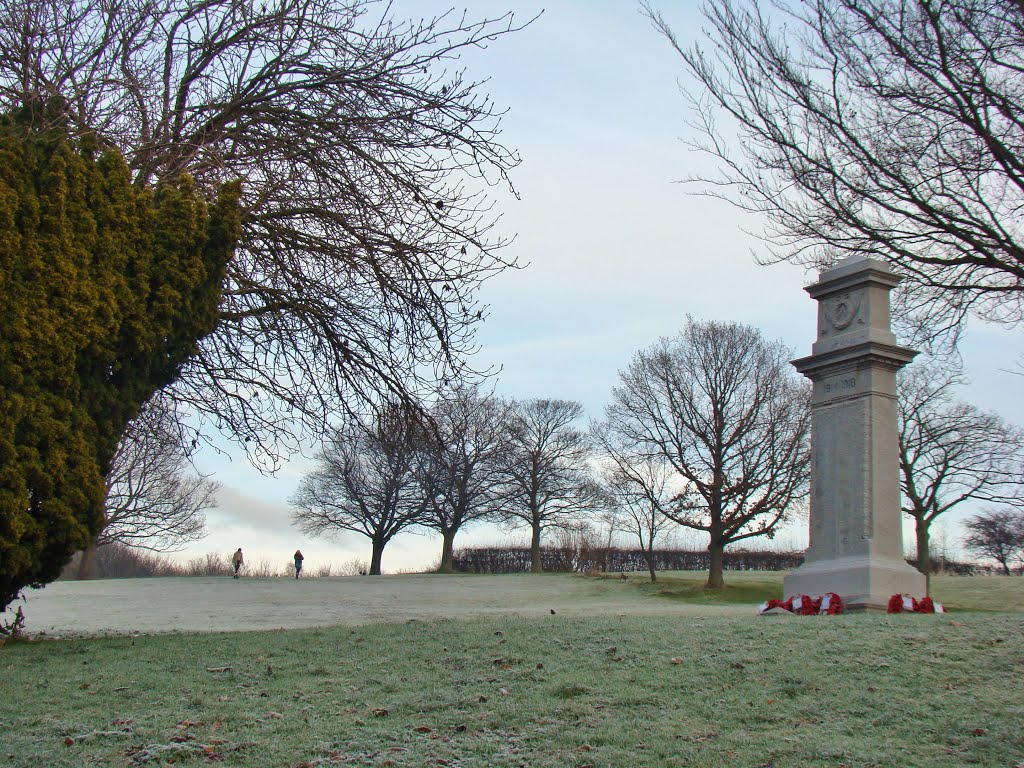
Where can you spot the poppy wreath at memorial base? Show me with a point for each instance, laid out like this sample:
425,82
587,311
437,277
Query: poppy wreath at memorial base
803,605
908,604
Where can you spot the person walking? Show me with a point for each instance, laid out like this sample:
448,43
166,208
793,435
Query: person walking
298,562
237,560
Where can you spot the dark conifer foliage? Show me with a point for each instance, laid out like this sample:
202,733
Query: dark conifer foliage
105,289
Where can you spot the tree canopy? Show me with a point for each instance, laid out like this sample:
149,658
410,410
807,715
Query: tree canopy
105,289
722,407
545,478
367,158
891,128
366,480
951,452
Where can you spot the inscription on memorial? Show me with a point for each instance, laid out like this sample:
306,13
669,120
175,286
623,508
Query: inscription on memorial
841,385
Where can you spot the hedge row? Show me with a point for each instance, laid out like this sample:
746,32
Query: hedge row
583,559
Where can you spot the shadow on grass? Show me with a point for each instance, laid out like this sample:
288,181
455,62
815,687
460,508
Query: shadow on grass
691,589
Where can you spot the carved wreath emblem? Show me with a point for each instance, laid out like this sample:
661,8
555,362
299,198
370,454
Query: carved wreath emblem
842,311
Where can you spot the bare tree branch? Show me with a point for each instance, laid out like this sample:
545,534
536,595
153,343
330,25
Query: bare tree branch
951,452
366,157
461,466
366,481
155,498
890,128
998,534
545,476
722,407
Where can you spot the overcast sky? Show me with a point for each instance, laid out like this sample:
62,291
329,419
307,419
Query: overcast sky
618,253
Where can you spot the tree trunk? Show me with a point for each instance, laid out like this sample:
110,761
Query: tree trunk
924,562
375,557
88,562
447,551
649,556
535,566
715,578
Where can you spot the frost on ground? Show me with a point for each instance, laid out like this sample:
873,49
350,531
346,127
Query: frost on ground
211,604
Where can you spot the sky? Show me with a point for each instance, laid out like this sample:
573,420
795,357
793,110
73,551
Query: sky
616,253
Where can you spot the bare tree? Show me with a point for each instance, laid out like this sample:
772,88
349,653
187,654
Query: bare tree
546,480
641,490
365,482
892,128
998,534
155,498
951,452
460,467
722,406
365,156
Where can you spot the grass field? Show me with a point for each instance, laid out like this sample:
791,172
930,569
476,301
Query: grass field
869,690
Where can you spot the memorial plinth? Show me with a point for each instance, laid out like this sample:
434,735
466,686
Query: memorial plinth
856,529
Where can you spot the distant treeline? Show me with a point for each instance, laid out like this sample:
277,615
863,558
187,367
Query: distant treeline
584,559
117,561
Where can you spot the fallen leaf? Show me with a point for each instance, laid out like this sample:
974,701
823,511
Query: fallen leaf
539,665
380,712
503,691
978,732
738,665
274,715
676,660
423,729
69,742
219,669
460,728
482,699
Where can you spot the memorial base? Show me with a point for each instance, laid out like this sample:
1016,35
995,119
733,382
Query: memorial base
864,583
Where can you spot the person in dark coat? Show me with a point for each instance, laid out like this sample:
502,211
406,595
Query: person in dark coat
298,563
237,560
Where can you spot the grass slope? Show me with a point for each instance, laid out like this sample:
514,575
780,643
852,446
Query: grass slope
906,691
957,593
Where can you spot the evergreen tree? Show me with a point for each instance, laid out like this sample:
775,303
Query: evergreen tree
105,289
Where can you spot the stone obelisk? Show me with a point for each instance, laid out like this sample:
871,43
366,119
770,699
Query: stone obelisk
856,536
